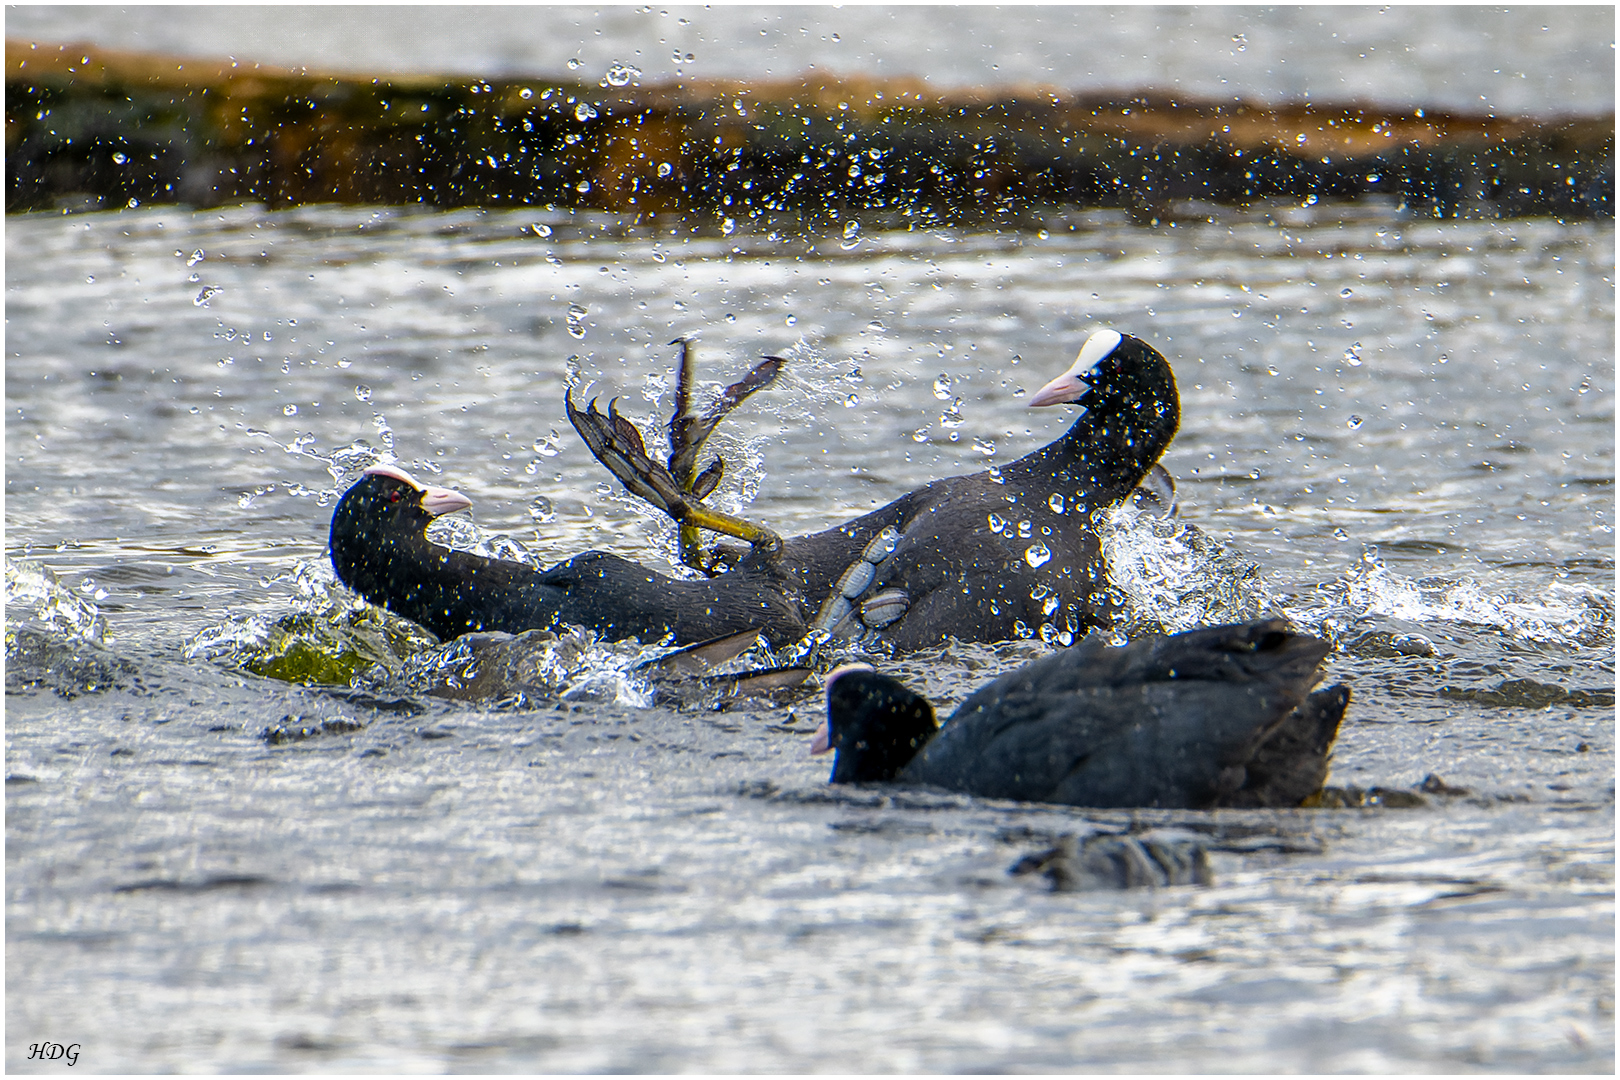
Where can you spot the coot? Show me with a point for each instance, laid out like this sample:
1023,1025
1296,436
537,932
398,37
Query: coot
1222,716
380,549
983,557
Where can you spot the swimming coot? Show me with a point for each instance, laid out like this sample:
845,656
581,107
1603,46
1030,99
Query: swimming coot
983,557
1222,716
380,549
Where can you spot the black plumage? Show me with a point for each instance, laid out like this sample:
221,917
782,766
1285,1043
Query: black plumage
1222,716
380,549
983,557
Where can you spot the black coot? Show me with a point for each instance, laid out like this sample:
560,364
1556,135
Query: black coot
380,549
984,557
1222,716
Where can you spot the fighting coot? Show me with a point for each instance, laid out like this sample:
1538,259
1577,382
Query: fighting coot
984,557
380,549
1222,716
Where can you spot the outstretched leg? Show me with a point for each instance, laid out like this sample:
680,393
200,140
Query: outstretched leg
678,488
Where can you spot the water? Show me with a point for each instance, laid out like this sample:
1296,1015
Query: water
1407,424
1541,60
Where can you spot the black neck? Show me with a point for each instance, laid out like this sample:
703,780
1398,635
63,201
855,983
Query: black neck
1112,446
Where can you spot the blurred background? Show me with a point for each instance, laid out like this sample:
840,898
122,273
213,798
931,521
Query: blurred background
1538,59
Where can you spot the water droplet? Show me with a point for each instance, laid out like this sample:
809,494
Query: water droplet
659,256
1352,355
584,111
728,226
619,74
583,186
1442,358
942,387
1347,292
1353,423
1241,41
289,410
541,510
791,320
525,93
1026,529
540,229
1056,502
997,523
1037,555
987,447
207,294
576,321
952,417
665,168
362,392
851,401
575,63
119,157
90,279
920,435
196,257
1340,534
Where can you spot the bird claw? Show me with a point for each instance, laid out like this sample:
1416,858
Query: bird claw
676,488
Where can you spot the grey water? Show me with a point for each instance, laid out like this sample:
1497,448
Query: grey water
1407,424
1538,60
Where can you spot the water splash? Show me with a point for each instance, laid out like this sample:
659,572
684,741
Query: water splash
1172,576
33,592
1561,614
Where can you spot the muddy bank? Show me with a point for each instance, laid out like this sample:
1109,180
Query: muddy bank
91,128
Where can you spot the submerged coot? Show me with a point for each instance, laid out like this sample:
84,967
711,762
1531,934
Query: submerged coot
380,549
1221,716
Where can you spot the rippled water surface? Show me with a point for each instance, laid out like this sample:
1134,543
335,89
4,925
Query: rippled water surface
1407,424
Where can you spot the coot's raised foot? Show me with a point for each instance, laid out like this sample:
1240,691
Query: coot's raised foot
677,488
1222,716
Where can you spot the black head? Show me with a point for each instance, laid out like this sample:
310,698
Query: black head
1112,368
874,725
381,517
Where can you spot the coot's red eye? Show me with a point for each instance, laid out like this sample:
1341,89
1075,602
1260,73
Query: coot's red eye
393,495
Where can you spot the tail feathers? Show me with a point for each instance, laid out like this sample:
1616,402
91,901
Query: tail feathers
1292,765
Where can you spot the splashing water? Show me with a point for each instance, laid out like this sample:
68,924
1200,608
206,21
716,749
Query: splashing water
34,592
1563,614
1170,576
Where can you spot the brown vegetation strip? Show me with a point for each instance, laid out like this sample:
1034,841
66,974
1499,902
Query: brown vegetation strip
98,128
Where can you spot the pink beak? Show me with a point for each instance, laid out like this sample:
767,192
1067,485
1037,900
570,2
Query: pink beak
437,501
822,741
1065,388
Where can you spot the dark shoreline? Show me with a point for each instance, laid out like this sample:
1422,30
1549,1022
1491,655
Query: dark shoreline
96,129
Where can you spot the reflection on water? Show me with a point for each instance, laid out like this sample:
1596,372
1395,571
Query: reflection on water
1398,432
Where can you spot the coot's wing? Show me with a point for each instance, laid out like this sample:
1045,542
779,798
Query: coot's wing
1169,744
